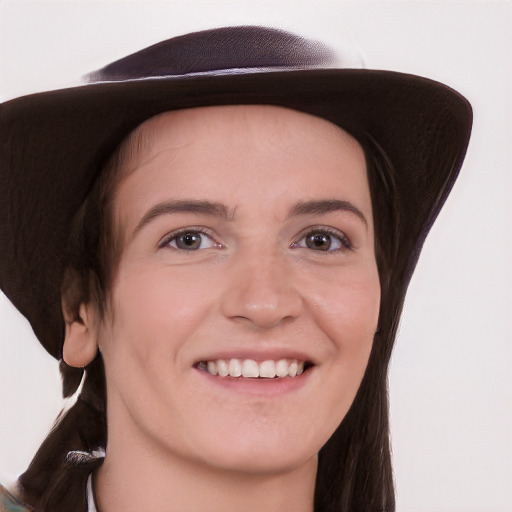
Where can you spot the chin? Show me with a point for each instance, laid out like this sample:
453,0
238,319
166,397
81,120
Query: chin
268,462
267,450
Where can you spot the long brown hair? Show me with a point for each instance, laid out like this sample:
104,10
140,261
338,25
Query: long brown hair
354,471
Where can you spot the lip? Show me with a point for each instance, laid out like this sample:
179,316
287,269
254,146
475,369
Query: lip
258,387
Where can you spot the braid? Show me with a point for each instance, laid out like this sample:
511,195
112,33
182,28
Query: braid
55,480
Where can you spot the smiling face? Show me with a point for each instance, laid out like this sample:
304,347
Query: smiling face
247,248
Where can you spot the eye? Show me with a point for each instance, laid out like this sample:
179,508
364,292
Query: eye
325,240
189,240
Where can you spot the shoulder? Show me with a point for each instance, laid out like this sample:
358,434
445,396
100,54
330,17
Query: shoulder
10,503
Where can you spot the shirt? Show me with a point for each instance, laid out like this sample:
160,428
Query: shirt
10,503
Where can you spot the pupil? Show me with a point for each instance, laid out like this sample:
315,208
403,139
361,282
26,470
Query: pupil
319,241
189,241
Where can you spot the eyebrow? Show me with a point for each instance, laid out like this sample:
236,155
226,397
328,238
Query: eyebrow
184,206
325,206
220,210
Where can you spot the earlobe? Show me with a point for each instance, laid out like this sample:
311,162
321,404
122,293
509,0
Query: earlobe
80,343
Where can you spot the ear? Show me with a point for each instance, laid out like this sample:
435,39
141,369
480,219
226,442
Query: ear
80,341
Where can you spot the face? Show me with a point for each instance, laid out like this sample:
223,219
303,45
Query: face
247,249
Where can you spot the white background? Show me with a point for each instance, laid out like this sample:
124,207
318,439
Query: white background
450,383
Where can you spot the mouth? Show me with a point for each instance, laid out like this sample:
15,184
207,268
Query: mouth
251,369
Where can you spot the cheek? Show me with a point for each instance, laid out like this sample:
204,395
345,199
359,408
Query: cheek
347,310
147,296
156,310
347,307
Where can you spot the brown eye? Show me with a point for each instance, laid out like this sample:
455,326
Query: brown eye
323,240
189,240
319,241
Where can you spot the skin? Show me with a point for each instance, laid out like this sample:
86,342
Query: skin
179,438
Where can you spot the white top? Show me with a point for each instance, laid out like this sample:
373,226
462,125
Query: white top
91,505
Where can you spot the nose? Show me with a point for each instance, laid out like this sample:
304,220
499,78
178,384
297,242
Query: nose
261,291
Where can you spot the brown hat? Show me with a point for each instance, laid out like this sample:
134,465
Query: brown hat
53,144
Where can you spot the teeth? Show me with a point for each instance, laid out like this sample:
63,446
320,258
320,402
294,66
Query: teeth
212,367
235,368
268,369
282,368
250,369
222,368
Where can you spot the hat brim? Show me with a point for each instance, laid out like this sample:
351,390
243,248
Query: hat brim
53,145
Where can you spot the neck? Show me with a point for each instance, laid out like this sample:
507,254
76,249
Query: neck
134,478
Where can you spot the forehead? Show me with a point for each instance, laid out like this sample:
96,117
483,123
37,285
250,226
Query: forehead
230,126
252,157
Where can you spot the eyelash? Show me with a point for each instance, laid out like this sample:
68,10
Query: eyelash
345,243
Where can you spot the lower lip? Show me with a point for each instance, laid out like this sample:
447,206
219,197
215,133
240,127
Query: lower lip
261,387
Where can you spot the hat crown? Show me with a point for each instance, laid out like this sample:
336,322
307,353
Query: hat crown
222,49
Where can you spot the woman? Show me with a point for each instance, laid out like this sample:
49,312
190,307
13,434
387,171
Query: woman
241,220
